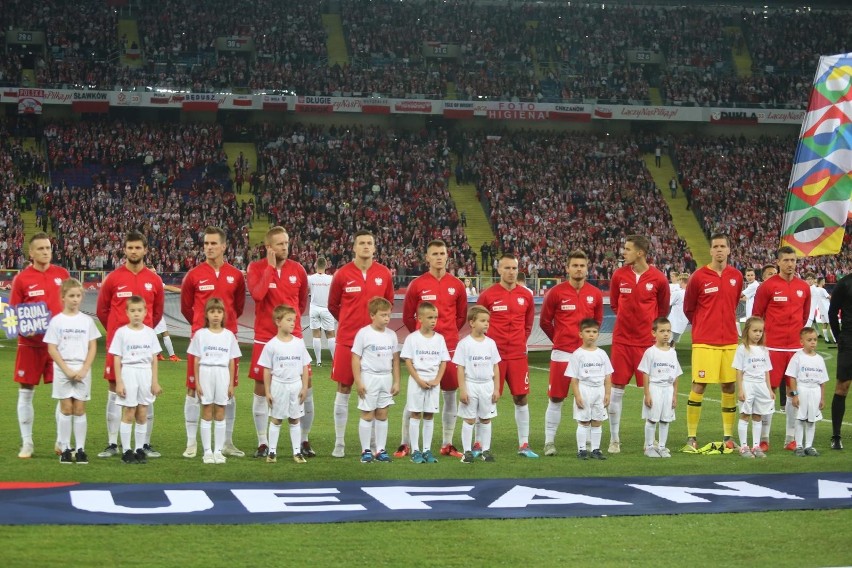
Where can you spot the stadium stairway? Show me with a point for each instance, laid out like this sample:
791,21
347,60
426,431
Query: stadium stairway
654,95
478,229
338,54
739,52
28,218
28,78
128,29
452,94
232,150
684,220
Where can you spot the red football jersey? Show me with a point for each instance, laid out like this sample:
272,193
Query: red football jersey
349,294
710,305
637,303
785,307
564,308
118,286
31,286
202,283
512,311
447,294
270,288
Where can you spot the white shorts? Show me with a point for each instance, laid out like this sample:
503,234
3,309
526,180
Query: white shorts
378,392
661,404
285,400
821,317
419,399
214,382
479,404
593,406
321,318
160,327
758,399
64,388
137,384
809,404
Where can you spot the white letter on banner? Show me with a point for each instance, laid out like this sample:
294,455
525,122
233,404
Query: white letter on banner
521,496
834,489
399,498
737,489
180,501
279,500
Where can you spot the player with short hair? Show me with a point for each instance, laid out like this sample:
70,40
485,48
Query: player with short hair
512,313
273,281
783,301
132,278
71,340
807,375
448,295
591,372
639,294
39,282
565,306
213,278
321,320
661,368
841,302
712,295
751,285
352,287
823,302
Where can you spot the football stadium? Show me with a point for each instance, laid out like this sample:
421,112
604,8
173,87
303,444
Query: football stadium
535,282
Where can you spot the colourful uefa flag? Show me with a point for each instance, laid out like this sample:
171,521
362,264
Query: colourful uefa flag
821,183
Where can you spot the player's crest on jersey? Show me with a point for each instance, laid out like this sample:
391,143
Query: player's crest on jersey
521,301
149,286
292,279
649,286
230,279
733,281
799,293
57,281
379,281
451,291
590,299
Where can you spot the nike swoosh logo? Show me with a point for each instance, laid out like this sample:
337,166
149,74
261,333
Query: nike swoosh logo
350,282
31,286
202,281
122,287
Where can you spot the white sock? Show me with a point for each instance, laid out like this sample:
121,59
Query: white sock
428,431
742,430
791,418
380,427
825,334
664,434
306,421
810,429
331,343
318,350
467,436
766,425
219,435
448,417
522,419
800,434
596,437
650,432
552,418
406,431
141,434
756,431
150,423
476,427
191,414
615,402
341,415
167,341
57,413
413,434
81,429
365,429
206,435
230,418
274,432
125,429
64,431
26,414
485,433
113,419
295,438
582,437
260,409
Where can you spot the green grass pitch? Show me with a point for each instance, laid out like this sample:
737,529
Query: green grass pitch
806,538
